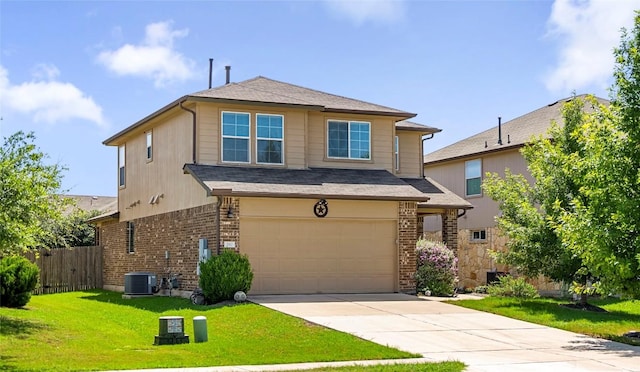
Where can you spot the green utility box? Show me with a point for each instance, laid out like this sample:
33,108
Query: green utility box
171,331
200,329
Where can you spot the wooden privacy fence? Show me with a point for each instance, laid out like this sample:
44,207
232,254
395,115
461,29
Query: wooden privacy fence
67,270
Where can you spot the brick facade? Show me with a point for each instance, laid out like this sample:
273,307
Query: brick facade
407,237
450,229
177,233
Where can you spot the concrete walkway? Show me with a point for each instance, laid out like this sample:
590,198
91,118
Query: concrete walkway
440,332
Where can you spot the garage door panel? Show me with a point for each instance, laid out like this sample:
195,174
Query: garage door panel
320,255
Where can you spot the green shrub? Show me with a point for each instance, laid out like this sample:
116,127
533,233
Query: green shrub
437,268
18,278
223,275
508,286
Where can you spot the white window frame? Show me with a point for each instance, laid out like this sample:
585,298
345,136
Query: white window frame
396,152
223,136
149,148
479,238
122,170
269,139
349,123
467,177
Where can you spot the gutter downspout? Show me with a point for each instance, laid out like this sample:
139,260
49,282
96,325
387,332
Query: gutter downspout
464,211
193,114
424,138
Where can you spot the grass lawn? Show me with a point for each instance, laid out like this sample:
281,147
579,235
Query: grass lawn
621,317
97,330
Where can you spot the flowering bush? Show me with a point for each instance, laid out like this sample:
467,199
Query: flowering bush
437,270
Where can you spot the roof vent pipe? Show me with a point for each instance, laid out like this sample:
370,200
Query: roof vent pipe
210,71
499,130
508,138
228,68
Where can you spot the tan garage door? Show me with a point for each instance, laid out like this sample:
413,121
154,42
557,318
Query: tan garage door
320,256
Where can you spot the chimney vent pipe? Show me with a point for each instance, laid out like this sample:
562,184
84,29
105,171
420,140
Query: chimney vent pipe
228,68
210,71
499,130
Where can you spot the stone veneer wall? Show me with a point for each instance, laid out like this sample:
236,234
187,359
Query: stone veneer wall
177,232
407,237
474,259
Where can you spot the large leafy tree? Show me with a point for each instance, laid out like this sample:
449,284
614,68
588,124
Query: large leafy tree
29,191
530,212
603,225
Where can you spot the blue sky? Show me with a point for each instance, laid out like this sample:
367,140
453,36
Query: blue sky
77,72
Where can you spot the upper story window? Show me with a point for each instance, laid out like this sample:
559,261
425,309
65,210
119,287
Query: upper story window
149,136
269,138
121,169
235,137
396,153
473,177
349,139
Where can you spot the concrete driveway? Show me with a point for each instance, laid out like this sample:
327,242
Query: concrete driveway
439,332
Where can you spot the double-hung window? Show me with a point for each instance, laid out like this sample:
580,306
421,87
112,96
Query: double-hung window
349,139
121,169
396,153
235,137
269,138
473,177
149,136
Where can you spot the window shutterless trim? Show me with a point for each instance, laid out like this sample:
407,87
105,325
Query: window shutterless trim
467,178
349,123
149,147
223,136
258,138
122,169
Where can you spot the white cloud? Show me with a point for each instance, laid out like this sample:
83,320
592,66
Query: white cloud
155,58
360,11
588,31
47,99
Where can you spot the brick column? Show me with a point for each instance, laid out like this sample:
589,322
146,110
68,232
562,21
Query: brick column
230,227
450,229
407,236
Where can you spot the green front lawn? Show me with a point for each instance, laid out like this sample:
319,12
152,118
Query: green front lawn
621,317
98,330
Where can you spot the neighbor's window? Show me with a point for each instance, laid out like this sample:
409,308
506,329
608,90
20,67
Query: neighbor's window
396,153
149,145
130,235
349,139
473,177
478,235
121,169
269,138
235,137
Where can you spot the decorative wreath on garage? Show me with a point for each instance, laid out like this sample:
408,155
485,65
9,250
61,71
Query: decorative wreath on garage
321,208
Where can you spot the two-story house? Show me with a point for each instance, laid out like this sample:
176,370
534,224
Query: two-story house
461,166
323,193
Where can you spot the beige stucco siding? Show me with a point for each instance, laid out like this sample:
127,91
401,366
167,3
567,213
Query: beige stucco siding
410,156
163,175
210,134
382,133
451,176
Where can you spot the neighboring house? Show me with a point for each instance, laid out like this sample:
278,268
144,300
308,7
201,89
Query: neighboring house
461,167
90,203
323,193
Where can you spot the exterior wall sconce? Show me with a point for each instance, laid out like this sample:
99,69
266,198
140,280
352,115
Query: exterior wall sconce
230,212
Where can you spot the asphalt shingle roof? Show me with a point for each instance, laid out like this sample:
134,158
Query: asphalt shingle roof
265,90
515,133
411,126
313,182
323,183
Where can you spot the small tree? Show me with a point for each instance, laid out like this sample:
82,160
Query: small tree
29,191
437,268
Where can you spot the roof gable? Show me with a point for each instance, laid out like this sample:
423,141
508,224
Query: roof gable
515,133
